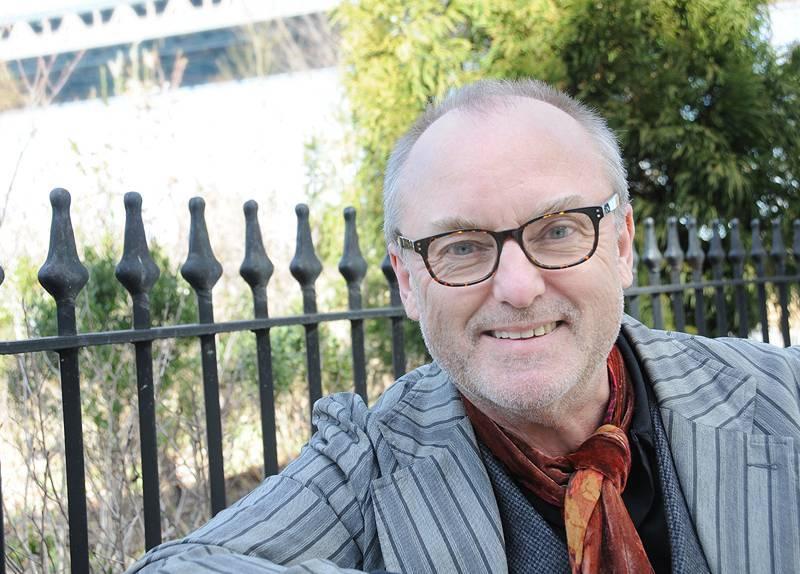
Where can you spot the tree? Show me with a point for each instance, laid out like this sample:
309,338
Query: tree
706,110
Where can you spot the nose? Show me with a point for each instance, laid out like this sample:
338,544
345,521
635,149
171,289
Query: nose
517,281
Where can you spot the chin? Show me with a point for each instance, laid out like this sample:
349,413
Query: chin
533,400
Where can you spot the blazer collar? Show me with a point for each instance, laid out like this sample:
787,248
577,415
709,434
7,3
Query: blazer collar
697,386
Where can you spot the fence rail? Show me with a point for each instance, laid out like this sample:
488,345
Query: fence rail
736,273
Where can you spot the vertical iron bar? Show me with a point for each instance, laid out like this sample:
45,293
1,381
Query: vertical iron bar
202,271
256,270
633,300
736,255
696,258
759,255
138,273
353,268
652,259
674,257
716,255
305,268
778,254
63,276
398,337
796,251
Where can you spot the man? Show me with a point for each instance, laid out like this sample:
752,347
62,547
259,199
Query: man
543,438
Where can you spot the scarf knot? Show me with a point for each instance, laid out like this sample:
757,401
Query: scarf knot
607,451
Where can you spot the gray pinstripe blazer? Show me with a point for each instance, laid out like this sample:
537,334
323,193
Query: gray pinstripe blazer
402,486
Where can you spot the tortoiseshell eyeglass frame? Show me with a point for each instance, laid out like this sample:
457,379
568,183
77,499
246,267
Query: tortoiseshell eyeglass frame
595,213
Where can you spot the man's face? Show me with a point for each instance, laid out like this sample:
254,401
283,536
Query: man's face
497,170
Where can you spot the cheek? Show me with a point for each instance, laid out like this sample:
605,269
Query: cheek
449,308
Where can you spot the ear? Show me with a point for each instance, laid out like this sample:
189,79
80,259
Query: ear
625,248
407,293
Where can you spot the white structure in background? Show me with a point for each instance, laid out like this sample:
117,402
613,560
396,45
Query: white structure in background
114,23
227,142
785,20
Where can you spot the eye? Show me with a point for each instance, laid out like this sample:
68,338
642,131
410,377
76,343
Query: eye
464,248
559,231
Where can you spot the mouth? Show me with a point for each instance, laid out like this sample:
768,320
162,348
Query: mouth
515,334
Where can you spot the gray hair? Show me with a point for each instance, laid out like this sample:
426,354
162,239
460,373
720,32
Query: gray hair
486,95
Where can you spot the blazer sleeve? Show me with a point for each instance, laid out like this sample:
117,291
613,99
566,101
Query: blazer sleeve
315,516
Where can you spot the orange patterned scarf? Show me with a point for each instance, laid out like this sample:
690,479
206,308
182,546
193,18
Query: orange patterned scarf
587,484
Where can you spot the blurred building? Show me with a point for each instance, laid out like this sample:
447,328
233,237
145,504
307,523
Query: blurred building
200,40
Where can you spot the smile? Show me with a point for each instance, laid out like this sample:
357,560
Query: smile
529,334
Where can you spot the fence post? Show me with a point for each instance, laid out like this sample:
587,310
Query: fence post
138,273
696,257
716,255
633,300
778,254
674,257
737,256
398,337
795,250
353,268
63,276
653,260
759,255
305,268
202,271
256,269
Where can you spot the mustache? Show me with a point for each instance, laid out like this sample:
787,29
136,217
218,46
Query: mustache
538,312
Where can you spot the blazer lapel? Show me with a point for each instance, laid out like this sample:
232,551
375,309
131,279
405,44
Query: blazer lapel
686,553
436,512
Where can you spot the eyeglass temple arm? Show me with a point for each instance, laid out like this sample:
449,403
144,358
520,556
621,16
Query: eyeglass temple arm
404,243
611,204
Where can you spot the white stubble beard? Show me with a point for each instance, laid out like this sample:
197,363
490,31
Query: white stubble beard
556,397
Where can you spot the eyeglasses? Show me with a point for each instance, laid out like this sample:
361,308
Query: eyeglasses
552,241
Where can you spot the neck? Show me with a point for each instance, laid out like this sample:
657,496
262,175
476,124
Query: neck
566,425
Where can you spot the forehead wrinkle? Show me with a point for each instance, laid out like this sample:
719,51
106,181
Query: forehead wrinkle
460,222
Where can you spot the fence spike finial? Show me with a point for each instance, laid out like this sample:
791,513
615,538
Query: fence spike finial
201,269
305,265
694,254
652,255
256,268
674,253
756,244
352,265
777,250
736,252
62,274
136,269
715,252
388,271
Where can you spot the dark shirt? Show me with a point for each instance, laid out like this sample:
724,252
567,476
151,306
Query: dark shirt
642,495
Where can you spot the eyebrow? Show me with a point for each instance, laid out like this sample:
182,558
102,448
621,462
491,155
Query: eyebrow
458,222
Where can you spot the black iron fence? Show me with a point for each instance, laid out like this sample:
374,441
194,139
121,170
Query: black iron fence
677,293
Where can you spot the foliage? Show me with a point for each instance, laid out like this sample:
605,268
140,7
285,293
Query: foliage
706,110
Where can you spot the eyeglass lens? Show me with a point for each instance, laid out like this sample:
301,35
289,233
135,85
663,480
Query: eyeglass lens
557,240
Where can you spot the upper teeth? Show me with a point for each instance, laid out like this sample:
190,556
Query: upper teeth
537,332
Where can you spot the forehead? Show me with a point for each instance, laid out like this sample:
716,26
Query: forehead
500,166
